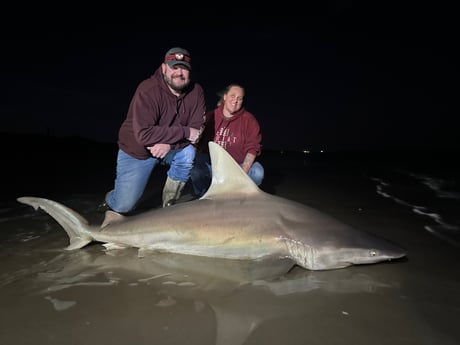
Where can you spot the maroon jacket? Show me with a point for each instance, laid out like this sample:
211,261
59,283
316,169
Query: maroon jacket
239,135
155,116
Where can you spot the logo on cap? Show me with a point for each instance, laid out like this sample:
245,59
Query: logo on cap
178,56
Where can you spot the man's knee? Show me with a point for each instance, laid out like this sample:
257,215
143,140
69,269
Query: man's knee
187,155
182,164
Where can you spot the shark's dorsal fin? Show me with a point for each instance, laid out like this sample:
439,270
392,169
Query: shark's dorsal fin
227,175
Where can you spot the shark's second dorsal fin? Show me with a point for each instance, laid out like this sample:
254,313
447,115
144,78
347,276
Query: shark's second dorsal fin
112,217
227,175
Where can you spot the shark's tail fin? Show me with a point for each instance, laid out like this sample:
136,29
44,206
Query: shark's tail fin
76,226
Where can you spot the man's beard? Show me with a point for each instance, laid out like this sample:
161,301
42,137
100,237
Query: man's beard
177,88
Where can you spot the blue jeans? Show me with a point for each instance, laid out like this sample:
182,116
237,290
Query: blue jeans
201,174
133,175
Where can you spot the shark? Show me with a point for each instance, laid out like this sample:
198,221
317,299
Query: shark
234,219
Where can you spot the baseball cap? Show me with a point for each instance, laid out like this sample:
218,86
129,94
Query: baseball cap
178,56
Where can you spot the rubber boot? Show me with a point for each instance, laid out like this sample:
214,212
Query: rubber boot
172,191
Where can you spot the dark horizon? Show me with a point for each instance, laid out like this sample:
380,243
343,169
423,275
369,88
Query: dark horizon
353,78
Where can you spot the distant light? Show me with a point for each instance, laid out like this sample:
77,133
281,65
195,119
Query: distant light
306,151
321,151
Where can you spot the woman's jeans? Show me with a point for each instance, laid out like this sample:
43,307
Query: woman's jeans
201,174
133,175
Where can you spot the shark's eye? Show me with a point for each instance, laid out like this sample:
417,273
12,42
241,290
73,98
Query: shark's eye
373,252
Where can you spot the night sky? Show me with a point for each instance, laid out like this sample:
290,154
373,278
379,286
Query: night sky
344,77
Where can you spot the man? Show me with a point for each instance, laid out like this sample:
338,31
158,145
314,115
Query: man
164,119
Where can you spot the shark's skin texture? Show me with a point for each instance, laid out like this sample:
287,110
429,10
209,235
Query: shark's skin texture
233,220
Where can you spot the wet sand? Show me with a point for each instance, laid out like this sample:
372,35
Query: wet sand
93,296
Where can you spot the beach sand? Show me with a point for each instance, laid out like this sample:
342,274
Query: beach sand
93,296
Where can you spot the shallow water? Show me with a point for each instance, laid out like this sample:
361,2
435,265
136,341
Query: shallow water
92,295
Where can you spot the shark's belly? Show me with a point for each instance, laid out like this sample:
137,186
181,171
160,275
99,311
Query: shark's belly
220,235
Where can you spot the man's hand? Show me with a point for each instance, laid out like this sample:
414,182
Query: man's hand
159,150
195,135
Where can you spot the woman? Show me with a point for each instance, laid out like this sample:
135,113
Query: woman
235,129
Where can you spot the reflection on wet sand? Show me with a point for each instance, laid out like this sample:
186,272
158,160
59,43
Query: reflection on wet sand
76,267
242,295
